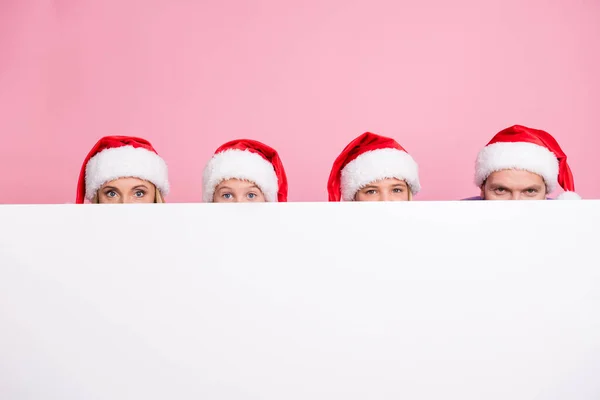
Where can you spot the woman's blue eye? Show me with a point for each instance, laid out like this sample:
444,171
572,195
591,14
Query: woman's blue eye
251,195
227,196
397,190
140,193
372,191
111,193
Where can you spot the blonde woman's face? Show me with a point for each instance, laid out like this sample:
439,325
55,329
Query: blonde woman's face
385,190
127,190
238,191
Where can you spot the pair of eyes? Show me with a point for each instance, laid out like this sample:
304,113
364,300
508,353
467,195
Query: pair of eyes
394,190
502,190
229,196
112,194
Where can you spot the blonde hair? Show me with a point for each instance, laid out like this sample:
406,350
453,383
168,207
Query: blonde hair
158,197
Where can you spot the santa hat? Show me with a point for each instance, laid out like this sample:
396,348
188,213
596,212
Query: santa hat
533,150
248,160
367,159
116,157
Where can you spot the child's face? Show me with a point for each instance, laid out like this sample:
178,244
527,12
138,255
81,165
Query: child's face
384,190
238,191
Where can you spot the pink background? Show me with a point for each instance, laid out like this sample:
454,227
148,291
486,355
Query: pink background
305,76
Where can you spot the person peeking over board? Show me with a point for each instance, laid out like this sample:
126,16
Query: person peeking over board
373,168
522,163
244,170
123,169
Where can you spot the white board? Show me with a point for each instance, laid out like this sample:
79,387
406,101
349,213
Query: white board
421,300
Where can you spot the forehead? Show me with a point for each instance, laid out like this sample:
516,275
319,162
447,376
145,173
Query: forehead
514,178
123,183
387,182
236,184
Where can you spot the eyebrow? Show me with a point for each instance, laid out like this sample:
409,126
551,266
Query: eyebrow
140,187
228,188
501,186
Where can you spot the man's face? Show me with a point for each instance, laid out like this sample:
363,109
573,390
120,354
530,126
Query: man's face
513,184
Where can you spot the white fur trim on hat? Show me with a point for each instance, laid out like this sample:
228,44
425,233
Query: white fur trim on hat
376,165
125,162
568,196
517,155
239,164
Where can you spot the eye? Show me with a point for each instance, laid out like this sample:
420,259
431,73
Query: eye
397,190
531,191
371,192
140,193
227,196
500,190
251,195
111,194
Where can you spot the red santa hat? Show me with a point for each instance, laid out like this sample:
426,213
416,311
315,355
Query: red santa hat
116,157
370,158
248,160
533,150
